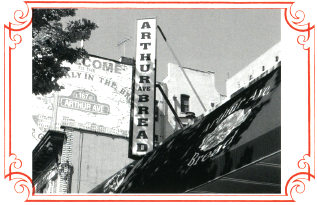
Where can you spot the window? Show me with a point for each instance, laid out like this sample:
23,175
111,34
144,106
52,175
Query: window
184,103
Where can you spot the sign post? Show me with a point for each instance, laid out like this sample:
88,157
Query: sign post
143,90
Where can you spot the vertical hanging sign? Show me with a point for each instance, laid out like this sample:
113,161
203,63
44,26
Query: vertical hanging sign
143,90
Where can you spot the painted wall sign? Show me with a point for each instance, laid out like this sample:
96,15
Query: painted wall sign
97,97
142,105
243,130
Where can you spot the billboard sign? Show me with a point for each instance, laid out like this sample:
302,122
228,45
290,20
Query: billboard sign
97,97
143,90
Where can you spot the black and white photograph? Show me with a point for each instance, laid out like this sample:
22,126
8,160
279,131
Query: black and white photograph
159,101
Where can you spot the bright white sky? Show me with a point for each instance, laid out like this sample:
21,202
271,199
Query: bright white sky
219,40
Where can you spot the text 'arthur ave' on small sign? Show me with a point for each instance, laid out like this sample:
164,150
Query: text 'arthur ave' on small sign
143,90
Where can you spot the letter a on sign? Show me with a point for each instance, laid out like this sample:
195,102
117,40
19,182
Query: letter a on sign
143,90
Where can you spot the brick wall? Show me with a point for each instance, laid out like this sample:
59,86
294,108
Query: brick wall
66,163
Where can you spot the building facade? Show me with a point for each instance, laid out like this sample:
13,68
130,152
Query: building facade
76,160
184,100
90,120
260,67
248,161
235,149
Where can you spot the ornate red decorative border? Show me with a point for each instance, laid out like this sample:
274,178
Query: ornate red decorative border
23,182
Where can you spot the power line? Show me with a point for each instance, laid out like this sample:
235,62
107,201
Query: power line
191,85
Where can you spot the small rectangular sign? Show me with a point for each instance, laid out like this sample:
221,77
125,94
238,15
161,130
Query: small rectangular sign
143,90
84,101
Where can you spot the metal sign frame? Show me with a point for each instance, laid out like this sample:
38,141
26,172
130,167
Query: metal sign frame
142,123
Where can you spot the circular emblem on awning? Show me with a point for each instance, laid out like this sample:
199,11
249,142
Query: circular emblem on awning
224,129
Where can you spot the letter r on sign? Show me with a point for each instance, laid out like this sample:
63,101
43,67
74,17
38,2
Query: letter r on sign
144,78
143,110
146,34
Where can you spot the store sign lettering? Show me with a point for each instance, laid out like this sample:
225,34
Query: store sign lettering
142,112
115,181
227,123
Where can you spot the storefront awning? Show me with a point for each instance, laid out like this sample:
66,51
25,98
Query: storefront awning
234,149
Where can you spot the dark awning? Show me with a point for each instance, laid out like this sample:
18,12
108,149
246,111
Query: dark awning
230,148
263,176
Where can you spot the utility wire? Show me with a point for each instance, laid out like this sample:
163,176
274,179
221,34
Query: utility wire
191,85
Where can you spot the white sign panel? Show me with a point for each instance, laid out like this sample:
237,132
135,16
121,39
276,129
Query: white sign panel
142,112
97,97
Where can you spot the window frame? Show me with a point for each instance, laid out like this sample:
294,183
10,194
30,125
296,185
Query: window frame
183,98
